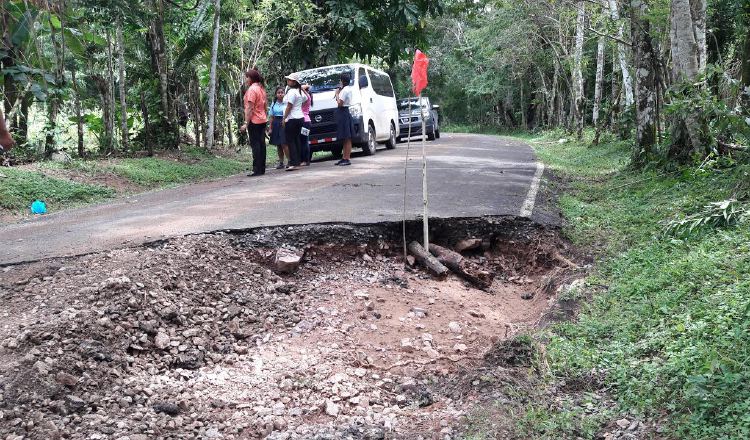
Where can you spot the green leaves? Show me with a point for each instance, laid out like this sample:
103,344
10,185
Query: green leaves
721,214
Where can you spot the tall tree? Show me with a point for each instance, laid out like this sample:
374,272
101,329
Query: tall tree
55,99
578,68
627,81
689,126
210,141
745,60
645,83
599,81
121,83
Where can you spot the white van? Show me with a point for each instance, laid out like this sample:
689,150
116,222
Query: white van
373,107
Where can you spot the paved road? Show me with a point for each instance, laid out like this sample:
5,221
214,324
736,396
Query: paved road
469,175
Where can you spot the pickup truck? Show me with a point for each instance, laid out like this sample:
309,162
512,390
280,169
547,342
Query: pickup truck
418,111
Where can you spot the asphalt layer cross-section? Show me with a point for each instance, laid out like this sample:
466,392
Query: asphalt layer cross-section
468,175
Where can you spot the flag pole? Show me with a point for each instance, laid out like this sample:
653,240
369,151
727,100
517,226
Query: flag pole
425,201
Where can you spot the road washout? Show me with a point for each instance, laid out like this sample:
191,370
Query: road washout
199,337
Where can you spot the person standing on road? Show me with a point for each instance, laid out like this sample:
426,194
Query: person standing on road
277,127
343,98
6,140
256,120
306,125
293,120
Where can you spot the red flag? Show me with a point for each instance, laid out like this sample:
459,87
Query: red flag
419,72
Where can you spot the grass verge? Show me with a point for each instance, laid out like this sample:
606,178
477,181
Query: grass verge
670,333
19,188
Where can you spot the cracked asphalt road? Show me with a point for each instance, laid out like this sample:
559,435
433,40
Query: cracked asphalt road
468,175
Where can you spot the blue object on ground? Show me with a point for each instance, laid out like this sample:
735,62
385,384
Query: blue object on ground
38,207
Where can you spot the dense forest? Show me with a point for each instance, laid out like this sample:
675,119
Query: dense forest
97,76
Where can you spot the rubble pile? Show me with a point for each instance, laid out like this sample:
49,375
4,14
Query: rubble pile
208,337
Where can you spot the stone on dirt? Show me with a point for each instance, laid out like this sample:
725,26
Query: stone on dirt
476,313
74,402
454,327
623,423
162,340
331,408
288,260
66,379
407,345
166,408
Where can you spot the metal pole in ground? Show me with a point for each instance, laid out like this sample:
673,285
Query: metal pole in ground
425,202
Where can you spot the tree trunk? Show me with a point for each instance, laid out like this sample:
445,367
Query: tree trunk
690,128
552,113
745,68
54,100
103,87
698,12
146,126
159,64
627,81
109,126
599,80
524,108
210,141
229,121
684,45
195,94
615,90
79,115
23,119
578,69
645,84
123,96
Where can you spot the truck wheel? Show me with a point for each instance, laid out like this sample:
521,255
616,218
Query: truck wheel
392,140
431,135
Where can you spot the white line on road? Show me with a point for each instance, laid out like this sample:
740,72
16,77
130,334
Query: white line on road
528,204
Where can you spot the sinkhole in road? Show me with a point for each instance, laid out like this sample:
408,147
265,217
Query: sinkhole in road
200,337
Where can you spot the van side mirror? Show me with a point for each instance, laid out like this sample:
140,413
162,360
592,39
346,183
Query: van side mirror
435,107
363,83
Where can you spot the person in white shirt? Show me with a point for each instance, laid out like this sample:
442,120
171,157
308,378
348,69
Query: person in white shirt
293,120
344,118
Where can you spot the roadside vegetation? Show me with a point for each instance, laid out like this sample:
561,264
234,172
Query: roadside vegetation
666,330
19,188
81,181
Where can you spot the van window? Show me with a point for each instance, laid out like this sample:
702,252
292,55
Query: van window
381,84
360,74
388,86
325,78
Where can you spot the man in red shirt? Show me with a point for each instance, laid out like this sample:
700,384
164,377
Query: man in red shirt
6,141
256,120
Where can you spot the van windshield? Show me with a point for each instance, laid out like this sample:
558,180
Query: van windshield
403,104
325,78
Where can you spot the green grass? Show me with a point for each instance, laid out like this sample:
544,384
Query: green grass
195,165
672,331
19,188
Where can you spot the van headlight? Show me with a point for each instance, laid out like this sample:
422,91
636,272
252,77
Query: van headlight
355,110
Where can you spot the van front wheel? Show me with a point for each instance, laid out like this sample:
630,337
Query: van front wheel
371,146
392,141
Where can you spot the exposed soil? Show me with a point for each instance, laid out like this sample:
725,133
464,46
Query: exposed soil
198,337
